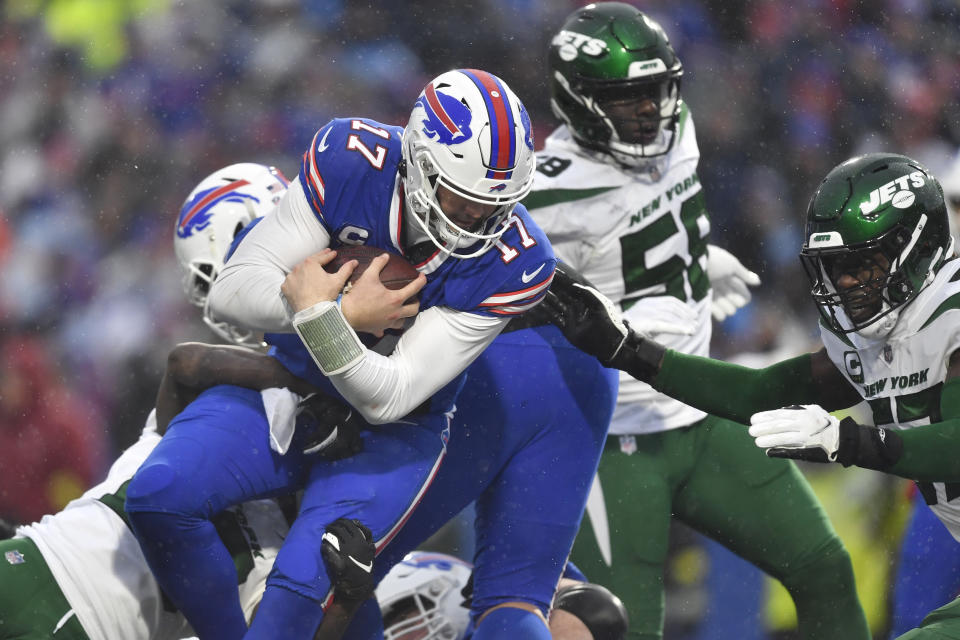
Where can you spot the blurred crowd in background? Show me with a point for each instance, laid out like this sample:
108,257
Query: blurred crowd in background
112,110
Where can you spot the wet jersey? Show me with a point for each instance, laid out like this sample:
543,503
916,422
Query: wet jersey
901,376
640,236
101,571
350,177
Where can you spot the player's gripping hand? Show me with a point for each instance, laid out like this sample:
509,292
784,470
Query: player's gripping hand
348,553
370,307
808,432
730,281
328,427
802,432
309,283
593,324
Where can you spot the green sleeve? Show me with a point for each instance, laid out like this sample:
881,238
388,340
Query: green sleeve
932,453
732,391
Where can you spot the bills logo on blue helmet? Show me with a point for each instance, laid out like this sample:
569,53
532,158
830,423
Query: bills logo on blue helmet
446,117
195,214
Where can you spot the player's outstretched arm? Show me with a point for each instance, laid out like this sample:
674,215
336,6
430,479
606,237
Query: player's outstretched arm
926,455
594,325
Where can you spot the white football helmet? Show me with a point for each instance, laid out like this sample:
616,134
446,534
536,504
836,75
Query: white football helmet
420,597
471,134
216,210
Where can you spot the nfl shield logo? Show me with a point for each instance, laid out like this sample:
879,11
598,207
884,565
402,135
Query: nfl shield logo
628,444
888,353
14,557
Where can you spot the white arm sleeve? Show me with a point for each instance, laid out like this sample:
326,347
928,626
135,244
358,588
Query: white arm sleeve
440,344
247,290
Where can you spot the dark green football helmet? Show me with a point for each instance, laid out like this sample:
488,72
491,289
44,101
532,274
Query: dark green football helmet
615,82
876,234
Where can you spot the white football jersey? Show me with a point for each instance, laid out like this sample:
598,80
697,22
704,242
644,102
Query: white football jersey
901,376
98,565
640,236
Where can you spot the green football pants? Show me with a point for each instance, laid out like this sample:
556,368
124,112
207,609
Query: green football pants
713,478
32,606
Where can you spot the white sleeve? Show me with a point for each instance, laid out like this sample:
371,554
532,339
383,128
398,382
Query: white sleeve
440,344
247,290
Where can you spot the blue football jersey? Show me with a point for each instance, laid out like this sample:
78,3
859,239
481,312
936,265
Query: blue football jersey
350,177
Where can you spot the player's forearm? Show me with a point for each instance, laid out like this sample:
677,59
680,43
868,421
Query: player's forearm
336,620
732,391
193,367
930,452
202,365
437,348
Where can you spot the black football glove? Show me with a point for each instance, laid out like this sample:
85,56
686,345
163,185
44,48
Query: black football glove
328,427
348,553
591,322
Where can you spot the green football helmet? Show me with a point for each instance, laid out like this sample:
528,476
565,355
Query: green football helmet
615,82
876,234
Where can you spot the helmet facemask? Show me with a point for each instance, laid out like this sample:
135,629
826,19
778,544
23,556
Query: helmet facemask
468,136
857,286
877,233
450,237
619,123
616,83
420,612
422,597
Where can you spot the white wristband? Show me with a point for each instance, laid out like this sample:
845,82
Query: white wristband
331,341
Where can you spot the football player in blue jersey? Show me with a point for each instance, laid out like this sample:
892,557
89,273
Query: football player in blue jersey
446,198
510,420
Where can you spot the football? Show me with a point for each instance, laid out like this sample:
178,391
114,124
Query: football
395,275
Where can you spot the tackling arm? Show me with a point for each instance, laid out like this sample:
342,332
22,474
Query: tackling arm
926,454
193,367
737,392
594,325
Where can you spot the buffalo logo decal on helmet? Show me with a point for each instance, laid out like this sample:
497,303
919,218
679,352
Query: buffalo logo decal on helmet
195,213
447,118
